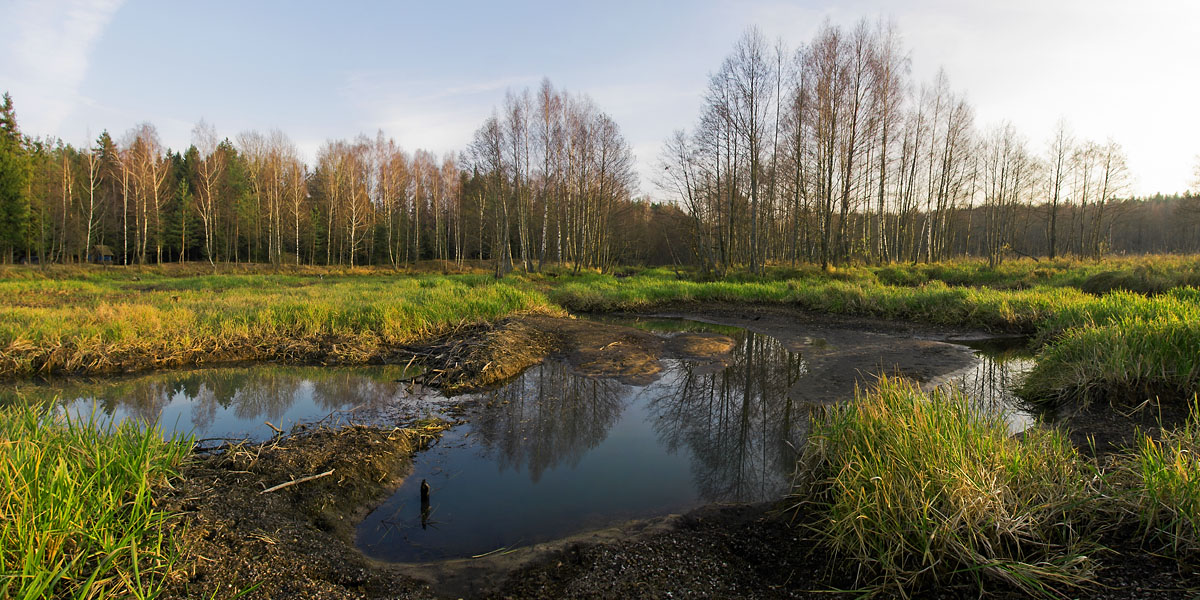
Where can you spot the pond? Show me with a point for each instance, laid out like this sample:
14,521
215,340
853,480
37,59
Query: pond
551,453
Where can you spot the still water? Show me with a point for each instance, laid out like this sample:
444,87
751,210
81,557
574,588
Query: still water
237,402
550,453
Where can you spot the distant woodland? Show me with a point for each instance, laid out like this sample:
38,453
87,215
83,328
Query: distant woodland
828,153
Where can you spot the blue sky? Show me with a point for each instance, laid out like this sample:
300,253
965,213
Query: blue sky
428,73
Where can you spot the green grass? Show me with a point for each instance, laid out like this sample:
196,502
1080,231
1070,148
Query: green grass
1120,345
84,320
77,513
98,324
912,488
917,491
1122,361
1149,274
1162,479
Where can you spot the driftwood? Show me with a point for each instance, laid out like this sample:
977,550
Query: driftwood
295,481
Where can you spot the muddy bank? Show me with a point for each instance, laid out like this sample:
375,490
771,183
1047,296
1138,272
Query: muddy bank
295,541
486,354
1102,429
840,352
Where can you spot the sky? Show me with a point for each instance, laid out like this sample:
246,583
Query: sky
429,73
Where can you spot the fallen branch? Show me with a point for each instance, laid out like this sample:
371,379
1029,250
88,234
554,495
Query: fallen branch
295,481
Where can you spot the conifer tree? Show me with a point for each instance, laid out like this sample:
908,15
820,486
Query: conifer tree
14,179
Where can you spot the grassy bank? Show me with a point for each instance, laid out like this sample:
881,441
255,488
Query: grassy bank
918,492
1120,328
77,507
914,490
106,321
1119,345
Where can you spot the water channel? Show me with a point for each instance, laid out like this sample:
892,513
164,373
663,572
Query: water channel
550,453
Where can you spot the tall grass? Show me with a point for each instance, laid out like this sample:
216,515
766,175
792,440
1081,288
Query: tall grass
1163,481
1124,361
1117,344
919,491
95,326
1149,274
77,515
95,321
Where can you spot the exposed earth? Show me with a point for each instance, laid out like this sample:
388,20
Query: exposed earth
297,541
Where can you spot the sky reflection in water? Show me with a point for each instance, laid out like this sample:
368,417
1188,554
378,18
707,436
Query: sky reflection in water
549,454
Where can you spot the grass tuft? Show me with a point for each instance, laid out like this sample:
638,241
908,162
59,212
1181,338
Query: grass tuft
1163,481
77,515
919,491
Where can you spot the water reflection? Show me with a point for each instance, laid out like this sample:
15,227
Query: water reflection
990,381
233,402
554,453
737,425
547,417
740,424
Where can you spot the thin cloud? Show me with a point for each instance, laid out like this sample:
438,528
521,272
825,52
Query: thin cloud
48,55
435,115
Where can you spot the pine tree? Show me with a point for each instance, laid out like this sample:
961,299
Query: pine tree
14,181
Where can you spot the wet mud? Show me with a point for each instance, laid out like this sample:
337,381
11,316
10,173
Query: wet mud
298,541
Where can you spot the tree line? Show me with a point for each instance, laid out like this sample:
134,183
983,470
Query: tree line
826,153
548,177
831,152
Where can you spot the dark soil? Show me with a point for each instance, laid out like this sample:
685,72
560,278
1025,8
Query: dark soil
298,541
294,542
1103,428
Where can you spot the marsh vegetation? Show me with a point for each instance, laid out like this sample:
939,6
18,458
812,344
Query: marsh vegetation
1030,513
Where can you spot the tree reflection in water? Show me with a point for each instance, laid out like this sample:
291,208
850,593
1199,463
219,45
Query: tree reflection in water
548,417
989,385
740,424
227,401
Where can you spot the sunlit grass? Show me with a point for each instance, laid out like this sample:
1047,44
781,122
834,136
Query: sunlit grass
1120,345
1162,478
76,319
77,512
917,491
64,325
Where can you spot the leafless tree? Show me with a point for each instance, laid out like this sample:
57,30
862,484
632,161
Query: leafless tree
209,169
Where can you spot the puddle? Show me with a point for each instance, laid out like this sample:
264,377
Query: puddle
553,453
237,402
989,381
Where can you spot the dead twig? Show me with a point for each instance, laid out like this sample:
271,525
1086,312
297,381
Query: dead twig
295,481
